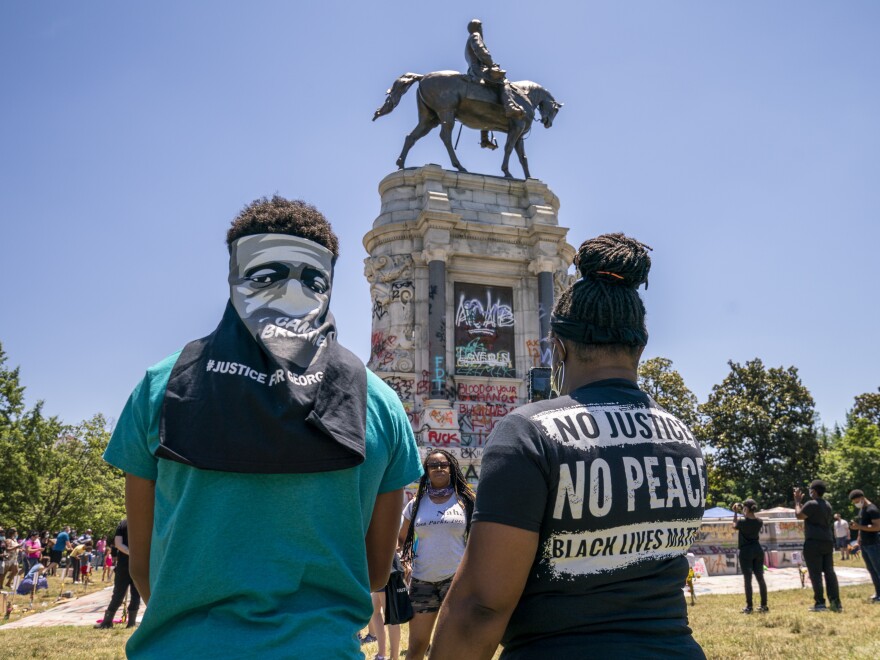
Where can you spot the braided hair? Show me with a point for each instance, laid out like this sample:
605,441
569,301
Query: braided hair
463,493
603,307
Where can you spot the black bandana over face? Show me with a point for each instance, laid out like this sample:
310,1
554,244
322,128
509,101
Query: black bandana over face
270,391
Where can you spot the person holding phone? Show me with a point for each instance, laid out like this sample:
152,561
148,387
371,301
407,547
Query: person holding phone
751,554
818,544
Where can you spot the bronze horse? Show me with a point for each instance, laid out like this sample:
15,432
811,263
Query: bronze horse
444,96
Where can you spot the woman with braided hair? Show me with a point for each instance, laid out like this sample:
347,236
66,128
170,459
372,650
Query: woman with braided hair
588,502
436,523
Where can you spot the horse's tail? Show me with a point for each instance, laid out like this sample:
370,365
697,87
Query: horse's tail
398,89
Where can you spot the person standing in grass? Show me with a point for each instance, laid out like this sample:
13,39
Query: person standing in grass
588,502
268,420
818,545
841,536
751,554
868,528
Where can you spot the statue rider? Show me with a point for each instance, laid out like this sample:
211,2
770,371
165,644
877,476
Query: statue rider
483,69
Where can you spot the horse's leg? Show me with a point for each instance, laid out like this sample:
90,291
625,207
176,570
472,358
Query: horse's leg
427,122
515,130
447,121
521,153
420,131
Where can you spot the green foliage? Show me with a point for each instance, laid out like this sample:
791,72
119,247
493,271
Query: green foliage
759,426
853,462
867,406
52,474
666,387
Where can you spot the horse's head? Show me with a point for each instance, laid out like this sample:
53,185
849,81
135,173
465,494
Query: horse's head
548,107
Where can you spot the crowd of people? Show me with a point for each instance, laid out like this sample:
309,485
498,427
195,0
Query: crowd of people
573,546
79,555
824,532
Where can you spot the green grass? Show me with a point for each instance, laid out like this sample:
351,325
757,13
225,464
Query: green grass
787,631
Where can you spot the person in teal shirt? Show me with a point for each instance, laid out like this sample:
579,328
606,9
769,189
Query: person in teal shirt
269,425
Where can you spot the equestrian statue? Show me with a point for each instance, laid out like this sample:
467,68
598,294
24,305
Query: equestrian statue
483,99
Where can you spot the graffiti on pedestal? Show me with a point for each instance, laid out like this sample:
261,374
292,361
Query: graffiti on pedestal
484,331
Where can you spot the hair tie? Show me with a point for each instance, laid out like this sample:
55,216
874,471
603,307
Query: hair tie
605,272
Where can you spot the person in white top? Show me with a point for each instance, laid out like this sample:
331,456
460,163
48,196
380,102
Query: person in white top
841,536
433,536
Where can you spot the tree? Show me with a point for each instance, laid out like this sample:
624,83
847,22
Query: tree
867,406
759,426
53,474
666,387
853,462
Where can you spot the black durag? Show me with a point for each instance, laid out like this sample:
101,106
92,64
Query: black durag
233,406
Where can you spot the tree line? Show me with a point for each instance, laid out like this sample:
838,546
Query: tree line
51,473
758,429
761,436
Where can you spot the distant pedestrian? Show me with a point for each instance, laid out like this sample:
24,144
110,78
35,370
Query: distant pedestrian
11,548
32,551
62,543
751,554
818,545
841,536
122,582
868,527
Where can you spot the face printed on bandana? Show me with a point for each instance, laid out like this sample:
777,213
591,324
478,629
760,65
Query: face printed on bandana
280,287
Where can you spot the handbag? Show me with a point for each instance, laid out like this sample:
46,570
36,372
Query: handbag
398,606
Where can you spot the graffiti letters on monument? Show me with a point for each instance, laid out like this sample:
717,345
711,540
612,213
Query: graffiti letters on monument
484,331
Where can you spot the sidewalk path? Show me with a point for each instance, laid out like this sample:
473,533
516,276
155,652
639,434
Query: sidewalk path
84,611
88,610
777,579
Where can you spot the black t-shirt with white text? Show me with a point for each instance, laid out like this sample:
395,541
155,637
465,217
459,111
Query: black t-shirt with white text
868,515
615,487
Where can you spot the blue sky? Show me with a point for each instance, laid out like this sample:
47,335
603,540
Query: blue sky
739,139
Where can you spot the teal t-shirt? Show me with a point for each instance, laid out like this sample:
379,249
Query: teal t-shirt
259,565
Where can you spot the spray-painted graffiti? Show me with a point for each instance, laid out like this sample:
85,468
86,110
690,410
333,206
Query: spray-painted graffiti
484,331
477,419
442,417
539,352
440,438
403,387
386,354
480,319
488,393
474,359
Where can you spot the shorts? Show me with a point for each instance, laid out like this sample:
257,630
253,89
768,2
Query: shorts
841,542
85,569
55,556
428,596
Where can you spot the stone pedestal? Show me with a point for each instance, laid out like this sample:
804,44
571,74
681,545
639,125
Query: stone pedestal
463,269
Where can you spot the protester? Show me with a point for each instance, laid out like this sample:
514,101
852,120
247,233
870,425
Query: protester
12,546
33,549
868,528
818,545
433,536
62,543
267,420
122,582
841,536
588,502
751,554
34,579
79,556
107,573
